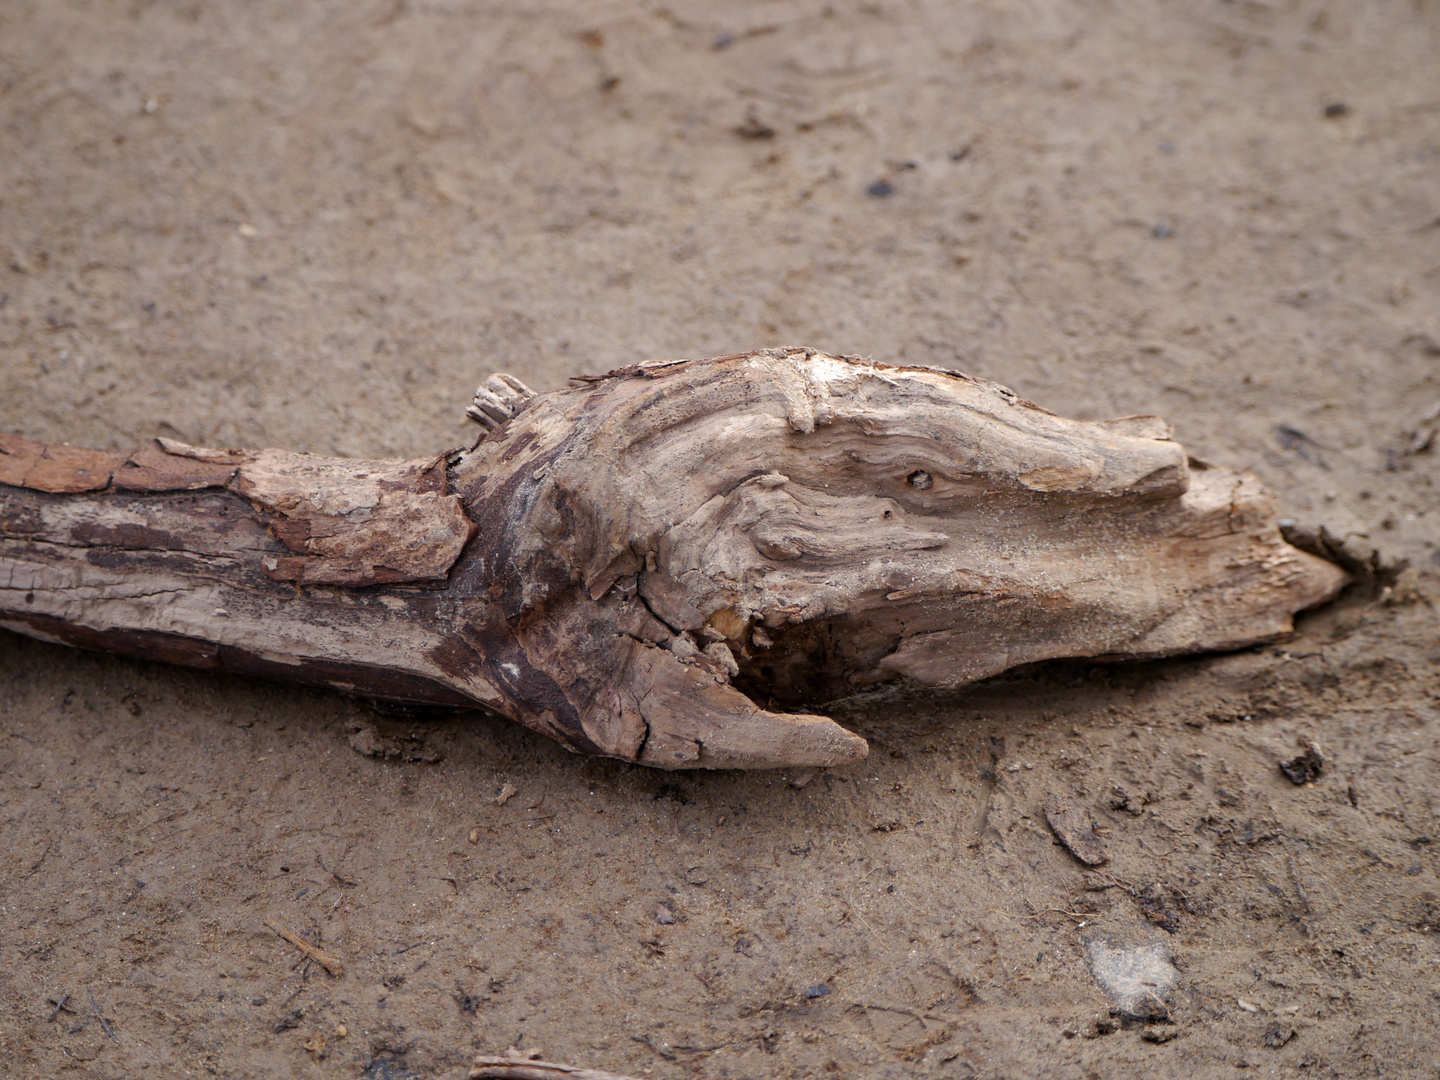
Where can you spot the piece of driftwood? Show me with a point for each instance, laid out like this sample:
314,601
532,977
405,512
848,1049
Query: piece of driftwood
629,565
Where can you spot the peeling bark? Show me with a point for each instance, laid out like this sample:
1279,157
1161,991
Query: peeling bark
618,564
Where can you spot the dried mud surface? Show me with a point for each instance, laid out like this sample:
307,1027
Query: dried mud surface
318,226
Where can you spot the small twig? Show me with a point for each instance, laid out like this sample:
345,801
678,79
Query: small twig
645,1040
104,1024
60,1006
1110,881
1080,916
508,1068
325,960
334,873
918,1017
850,902
35,866
1299,887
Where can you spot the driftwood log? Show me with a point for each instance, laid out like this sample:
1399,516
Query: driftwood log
630,564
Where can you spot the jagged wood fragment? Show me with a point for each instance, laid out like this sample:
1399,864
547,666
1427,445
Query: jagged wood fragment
1075,829
619,564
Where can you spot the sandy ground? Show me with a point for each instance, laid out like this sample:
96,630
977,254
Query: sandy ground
318,226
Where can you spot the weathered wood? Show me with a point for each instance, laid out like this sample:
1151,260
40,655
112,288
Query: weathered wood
1075,829
486,1067
324,959
614,563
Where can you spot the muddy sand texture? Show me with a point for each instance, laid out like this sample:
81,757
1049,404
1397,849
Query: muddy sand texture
318,226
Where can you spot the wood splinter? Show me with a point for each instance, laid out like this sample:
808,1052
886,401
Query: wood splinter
628,565
486,1067
324,959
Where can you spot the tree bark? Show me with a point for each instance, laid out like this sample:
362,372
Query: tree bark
618,564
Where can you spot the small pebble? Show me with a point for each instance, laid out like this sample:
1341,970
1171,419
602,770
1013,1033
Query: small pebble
341,1031
664,915
880,188
819,990
474,836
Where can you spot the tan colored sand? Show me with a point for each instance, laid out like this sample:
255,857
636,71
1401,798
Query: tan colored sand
318,226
